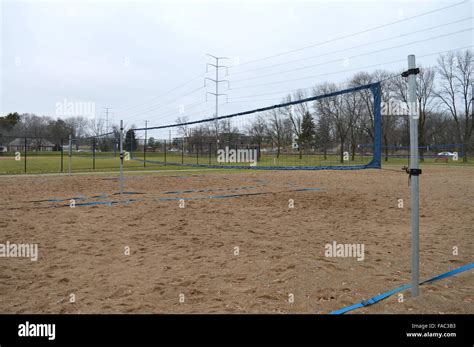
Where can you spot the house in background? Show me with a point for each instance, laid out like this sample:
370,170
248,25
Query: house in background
39,145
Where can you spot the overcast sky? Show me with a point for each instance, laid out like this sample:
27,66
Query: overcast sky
125,54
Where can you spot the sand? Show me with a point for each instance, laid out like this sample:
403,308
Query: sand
185,260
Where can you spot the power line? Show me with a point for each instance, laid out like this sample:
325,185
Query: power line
342,71
351,57
164,105
154,108
182,108
180,111
353,47
254,100
174,112
166,92
191,115
265,94
217,81
354,34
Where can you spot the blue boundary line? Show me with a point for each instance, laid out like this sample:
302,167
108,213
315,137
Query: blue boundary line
215,196
212,190
385,295
80,198
237,195
107,203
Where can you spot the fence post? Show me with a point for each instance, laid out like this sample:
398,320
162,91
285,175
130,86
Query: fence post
210,152
197,155
70,154
182,151
121,157
165,152
25,153
62,155
93,153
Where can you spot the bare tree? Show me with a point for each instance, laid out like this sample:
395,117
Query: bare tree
352,107
35,127
257,129
183,130
229,134
424,96
455,71
295,115
196,138
324,134
335,109
81,126
95,127
276,128
366,120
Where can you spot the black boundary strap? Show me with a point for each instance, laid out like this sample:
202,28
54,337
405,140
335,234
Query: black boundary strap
409,72
411,172
414,172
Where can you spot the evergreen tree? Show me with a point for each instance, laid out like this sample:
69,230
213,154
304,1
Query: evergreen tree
308,131
131,143
9,121
323,135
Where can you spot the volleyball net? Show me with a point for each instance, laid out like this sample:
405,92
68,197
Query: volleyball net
332,129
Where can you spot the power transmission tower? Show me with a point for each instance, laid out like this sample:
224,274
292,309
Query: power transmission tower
216,81
107,118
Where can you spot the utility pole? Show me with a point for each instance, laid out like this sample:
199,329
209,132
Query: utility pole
121,156
216,81
70,155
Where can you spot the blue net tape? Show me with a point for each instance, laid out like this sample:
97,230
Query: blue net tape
385,295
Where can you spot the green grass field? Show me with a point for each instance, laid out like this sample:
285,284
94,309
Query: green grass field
84,162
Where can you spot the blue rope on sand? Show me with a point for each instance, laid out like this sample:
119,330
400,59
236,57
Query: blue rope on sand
233,195
211,190
108,203
214,196
86,198
307,189
385,295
